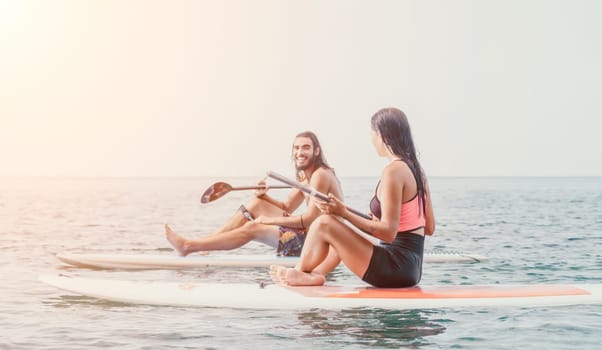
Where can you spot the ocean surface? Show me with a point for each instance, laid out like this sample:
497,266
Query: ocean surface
534,230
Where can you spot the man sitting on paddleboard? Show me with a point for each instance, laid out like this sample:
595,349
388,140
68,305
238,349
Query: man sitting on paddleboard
267,220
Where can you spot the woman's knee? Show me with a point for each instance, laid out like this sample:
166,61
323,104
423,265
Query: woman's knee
325,225
324,221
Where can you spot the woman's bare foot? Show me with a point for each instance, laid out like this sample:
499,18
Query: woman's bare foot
178,242
277,273
294,277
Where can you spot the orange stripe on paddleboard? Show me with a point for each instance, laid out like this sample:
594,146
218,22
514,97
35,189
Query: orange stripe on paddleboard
440,292
461,292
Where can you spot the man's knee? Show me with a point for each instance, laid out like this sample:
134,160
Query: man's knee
258,206
253,231
253,203
249,229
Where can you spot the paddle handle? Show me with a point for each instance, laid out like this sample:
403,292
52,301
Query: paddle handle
256,187
311,191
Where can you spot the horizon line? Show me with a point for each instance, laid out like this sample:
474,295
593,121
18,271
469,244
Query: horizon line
255,176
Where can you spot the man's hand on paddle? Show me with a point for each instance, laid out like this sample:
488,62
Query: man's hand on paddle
262,191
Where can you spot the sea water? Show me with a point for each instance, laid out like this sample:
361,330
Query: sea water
534,230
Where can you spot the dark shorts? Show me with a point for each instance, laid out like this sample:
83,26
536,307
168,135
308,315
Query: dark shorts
398,264
290,241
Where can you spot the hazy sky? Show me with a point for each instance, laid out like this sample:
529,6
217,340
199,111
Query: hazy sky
219,88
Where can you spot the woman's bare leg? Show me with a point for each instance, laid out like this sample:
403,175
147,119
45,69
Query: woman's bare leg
328,232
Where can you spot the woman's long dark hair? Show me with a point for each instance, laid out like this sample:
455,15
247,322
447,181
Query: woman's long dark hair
393,127
320,160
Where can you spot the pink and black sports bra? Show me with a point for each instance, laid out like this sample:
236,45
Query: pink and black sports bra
411,217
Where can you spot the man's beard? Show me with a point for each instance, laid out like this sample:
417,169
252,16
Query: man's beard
310,162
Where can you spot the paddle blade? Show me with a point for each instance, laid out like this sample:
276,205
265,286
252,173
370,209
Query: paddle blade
215,191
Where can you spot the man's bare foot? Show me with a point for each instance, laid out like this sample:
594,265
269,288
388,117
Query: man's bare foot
294,277
178,242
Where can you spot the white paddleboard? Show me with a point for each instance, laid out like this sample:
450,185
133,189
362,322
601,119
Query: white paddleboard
172,261
255,296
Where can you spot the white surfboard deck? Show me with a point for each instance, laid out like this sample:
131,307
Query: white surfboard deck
272,296
172,261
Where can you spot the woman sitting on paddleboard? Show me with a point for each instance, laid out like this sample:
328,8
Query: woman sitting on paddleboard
402,215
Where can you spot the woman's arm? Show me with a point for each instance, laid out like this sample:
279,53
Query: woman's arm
391,189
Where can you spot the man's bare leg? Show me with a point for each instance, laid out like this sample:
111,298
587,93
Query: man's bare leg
225,240
178,242
257,207
233,226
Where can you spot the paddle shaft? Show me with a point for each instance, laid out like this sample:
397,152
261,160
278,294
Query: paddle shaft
311,192
243,188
